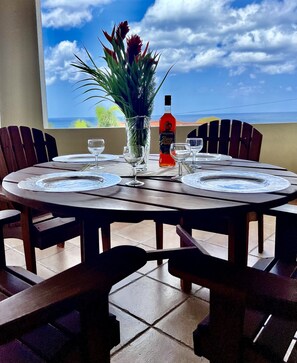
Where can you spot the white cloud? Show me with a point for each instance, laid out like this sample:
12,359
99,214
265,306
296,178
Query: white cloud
59,17
279,68
68,13
194,34
242,58
73,3
244,90
259,37
237,71
58,62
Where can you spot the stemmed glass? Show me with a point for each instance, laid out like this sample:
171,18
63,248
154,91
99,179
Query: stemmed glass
196,145
179,151
96,147
134,156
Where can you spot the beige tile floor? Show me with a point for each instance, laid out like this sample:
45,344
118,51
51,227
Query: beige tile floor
157,319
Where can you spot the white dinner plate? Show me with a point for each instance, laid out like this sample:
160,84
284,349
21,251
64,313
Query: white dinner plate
84,158
235,182
201,157
70,181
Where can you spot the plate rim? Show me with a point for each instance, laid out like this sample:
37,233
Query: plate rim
62,174
255,175
220,157
89,156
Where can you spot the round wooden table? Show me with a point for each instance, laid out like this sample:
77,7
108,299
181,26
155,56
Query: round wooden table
159,199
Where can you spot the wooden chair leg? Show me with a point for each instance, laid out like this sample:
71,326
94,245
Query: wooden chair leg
29,249
260,233
220,318
159,239
6,216
95,327
186,285
106,235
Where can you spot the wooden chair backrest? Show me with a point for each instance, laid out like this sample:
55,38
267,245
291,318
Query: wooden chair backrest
230,137
22,147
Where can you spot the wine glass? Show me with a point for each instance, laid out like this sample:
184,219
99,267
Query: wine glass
96,147
134,155
196,145
179,151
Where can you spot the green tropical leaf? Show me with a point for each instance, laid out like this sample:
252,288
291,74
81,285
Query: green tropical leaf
129,83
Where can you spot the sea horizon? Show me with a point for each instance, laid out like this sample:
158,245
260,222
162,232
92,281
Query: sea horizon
252,118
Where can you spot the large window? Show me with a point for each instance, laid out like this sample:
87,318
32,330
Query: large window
232,59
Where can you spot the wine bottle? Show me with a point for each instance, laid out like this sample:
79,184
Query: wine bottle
167,129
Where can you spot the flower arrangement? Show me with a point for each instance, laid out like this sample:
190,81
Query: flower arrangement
129,79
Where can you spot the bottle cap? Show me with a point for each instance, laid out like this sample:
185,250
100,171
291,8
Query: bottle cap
168,100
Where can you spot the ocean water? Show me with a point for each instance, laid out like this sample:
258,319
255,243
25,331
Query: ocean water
253,118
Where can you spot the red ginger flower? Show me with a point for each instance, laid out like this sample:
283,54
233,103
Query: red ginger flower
122,30
134,44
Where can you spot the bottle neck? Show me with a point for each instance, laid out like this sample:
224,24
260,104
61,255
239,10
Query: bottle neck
167,109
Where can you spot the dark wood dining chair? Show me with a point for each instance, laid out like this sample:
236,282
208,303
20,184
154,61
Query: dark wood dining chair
253,310
239,140
22,147
66,317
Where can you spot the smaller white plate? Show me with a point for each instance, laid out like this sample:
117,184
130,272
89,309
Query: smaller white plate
69,181
200,157
236,182
84,158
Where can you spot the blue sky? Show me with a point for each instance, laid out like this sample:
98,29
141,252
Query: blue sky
228,56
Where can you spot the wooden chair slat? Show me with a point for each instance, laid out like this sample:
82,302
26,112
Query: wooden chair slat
193,133
3,166
213,136
40,146
246,136
276,337
10,284
54,229
255,145
51,145
47,341
16,351
235,138
224,139
293,355
29,146
18,147
6,147
202,132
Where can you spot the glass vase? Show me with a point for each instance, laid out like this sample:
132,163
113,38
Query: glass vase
139,133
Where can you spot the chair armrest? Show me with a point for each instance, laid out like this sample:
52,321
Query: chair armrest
9,216
3,197
262,290
75,287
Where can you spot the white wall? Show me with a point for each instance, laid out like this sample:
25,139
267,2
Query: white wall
20,96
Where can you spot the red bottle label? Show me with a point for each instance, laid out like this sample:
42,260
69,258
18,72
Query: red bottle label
166,138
